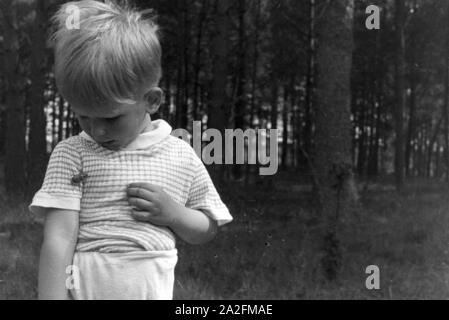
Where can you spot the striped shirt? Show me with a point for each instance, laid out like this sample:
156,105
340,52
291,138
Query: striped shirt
99,194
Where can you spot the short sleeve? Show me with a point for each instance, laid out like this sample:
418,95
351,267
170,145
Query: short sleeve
57,190
203,196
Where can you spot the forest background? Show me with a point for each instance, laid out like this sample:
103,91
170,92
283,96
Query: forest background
362,115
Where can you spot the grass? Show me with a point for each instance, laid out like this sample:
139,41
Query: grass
263,253
20,238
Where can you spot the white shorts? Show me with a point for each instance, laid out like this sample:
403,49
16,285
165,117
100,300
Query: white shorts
141,275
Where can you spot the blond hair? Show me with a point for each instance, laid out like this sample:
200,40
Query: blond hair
112,57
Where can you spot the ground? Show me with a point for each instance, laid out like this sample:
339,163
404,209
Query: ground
260,255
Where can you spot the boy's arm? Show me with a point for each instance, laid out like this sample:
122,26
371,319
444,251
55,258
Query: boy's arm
192,226
60,236
156,206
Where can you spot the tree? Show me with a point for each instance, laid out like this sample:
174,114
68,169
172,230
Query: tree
240,104
197,65
15,159
446,97
399,92
332,156
37,150
219,101
310,78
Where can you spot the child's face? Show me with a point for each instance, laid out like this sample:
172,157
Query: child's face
114,127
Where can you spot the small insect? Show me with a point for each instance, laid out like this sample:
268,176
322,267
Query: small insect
77,178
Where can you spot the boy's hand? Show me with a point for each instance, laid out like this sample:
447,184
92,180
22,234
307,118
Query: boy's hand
153,204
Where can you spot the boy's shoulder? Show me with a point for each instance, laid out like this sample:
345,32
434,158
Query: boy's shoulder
67,152
70,143
183,149
179,144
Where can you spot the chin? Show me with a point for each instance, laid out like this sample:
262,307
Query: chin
112,147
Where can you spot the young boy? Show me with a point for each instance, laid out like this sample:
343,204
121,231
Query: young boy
115,195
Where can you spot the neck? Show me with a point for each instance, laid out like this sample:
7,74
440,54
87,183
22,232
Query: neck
148,125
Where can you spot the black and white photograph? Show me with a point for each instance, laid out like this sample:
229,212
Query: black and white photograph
213,150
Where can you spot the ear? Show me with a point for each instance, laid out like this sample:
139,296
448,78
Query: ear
153,99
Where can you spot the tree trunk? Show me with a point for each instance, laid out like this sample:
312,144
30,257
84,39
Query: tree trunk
197,66
446,101
415,155
285,112
2,129
310,79
378,100
423,149
361,155
430,150
255,60
15,159
399,92
332,160
446,117
296,128
275,74
37,148
60,119
375,155
372,136
186,39
54,116
274,103
219,101
68,119
427,128
412,113
181,102
436,171
240,104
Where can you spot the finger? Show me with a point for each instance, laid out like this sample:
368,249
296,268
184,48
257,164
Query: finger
142,193
141,204
147,217
141,215
144,185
